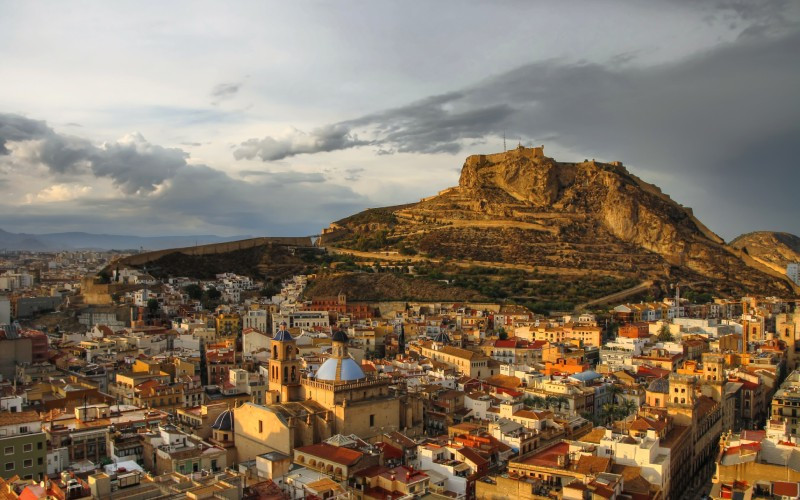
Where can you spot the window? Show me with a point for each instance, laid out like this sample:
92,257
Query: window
372,420
9,450
23,429
260,426
27,448
39,461
39,445
27,463
9,465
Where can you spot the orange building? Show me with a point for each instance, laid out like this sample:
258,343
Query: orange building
566,365
638,330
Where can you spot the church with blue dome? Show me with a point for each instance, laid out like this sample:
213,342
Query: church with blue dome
359,404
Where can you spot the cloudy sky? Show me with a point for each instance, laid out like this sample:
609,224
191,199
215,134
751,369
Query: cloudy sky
276,118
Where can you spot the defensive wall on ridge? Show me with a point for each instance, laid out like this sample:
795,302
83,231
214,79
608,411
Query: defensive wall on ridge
215,248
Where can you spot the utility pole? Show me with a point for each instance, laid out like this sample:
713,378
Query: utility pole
504,141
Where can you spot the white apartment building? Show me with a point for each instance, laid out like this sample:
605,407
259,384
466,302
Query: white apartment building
306,320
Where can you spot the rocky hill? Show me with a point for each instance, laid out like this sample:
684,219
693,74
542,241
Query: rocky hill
520,208
772,249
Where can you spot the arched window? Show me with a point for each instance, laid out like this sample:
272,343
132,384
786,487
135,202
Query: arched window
288,352
275,352
294,374
285,373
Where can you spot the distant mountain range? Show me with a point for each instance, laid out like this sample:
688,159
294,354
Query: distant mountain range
89,241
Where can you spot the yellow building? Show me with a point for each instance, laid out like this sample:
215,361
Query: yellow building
228,323
470,363
279,427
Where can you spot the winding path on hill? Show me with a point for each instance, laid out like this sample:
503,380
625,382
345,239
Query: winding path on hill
396,257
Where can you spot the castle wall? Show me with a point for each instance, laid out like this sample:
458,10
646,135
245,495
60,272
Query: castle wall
144,258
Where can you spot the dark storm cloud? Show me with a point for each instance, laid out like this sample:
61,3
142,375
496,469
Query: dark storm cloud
18,128
195,196
708,118
432,125
133,164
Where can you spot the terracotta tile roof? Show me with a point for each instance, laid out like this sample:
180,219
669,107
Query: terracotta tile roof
462,353
548,457
9,418
505,381
336,454
644,423
389,451
473,456
594,436
404,475
588,464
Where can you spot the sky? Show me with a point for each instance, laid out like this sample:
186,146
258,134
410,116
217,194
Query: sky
276,118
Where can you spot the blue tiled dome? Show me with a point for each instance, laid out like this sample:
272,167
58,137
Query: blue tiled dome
282,334
340,370
224,421
659,385
340,336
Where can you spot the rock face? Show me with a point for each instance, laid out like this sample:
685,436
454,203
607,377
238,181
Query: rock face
772,249
522,207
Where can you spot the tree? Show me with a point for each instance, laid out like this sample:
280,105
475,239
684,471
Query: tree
152,305
664,334
614,390
538,401
213,294
562,400
194,291
502,334
609,412
629,406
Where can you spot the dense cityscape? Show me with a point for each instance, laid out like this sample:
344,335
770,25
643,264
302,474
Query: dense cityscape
399,250
117,383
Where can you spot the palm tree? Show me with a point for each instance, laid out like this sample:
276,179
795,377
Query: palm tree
538,401
609,412
550,401
614,390
629,406
562,400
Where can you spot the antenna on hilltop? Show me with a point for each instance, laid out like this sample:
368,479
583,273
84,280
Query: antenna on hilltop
504,141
